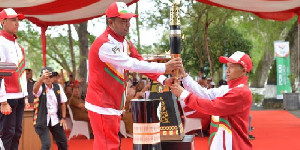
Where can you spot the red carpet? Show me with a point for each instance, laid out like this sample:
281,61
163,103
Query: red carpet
274,130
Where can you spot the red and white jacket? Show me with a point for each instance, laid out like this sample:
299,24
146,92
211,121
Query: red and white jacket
15,86
230,106
109,57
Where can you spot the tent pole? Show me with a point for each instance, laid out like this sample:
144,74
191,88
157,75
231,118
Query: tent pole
43,39
298,58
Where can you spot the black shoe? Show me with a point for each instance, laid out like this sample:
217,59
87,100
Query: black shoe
251,137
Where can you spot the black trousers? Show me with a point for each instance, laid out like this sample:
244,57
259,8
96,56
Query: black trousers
11,125
58,134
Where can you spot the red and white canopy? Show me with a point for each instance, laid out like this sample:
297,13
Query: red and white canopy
46,13
268,9
58,12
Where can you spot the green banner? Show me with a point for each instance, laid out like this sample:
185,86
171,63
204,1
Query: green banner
283,68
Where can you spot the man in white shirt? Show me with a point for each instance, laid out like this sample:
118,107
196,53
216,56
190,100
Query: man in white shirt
13,93
50,113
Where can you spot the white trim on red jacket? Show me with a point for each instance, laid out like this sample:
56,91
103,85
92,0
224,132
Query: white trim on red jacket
120,60
115,54
235,111
11,52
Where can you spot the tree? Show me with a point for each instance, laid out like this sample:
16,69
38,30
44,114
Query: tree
58,53
83,36
262,34
72,50
292,37
202,34
137,22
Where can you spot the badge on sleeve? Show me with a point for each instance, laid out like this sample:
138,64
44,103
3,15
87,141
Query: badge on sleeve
115,49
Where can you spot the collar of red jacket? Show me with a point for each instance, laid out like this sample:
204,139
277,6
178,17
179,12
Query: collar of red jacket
8,36
238,81
113,34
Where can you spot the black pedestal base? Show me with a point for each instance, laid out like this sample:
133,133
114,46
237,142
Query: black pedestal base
187,143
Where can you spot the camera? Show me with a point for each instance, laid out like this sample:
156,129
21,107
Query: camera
54,74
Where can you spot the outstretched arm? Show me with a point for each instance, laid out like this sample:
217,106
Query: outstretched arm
39,82
230,103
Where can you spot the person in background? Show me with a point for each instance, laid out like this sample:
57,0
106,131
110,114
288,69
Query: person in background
78,109
30,83
56,77
68,91
203,82
13,92
222,82
127,114
71,81
82,87
51,111
210,83
111,57
61,79
200,74
142,89
135,78
230,105
133,92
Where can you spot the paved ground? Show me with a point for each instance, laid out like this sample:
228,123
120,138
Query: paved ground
294,112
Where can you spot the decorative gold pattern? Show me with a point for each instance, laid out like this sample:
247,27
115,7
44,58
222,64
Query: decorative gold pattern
173,132
181,127
174,15
164,116
168,128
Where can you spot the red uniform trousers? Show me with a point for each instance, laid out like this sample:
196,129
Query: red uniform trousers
105,129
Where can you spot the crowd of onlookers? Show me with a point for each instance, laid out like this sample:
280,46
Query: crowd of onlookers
138,87
75,90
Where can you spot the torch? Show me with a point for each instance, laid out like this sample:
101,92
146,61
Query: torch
175,32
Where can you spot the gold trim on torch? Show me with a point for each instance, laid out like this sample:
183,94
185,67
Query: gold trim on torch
174,14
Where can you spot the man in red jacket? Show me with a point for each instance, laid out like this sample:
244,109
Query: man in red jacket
230,104
111,56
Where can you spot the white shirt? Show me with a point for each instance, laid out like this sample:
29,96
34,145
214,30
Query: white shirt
11,52
52,103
